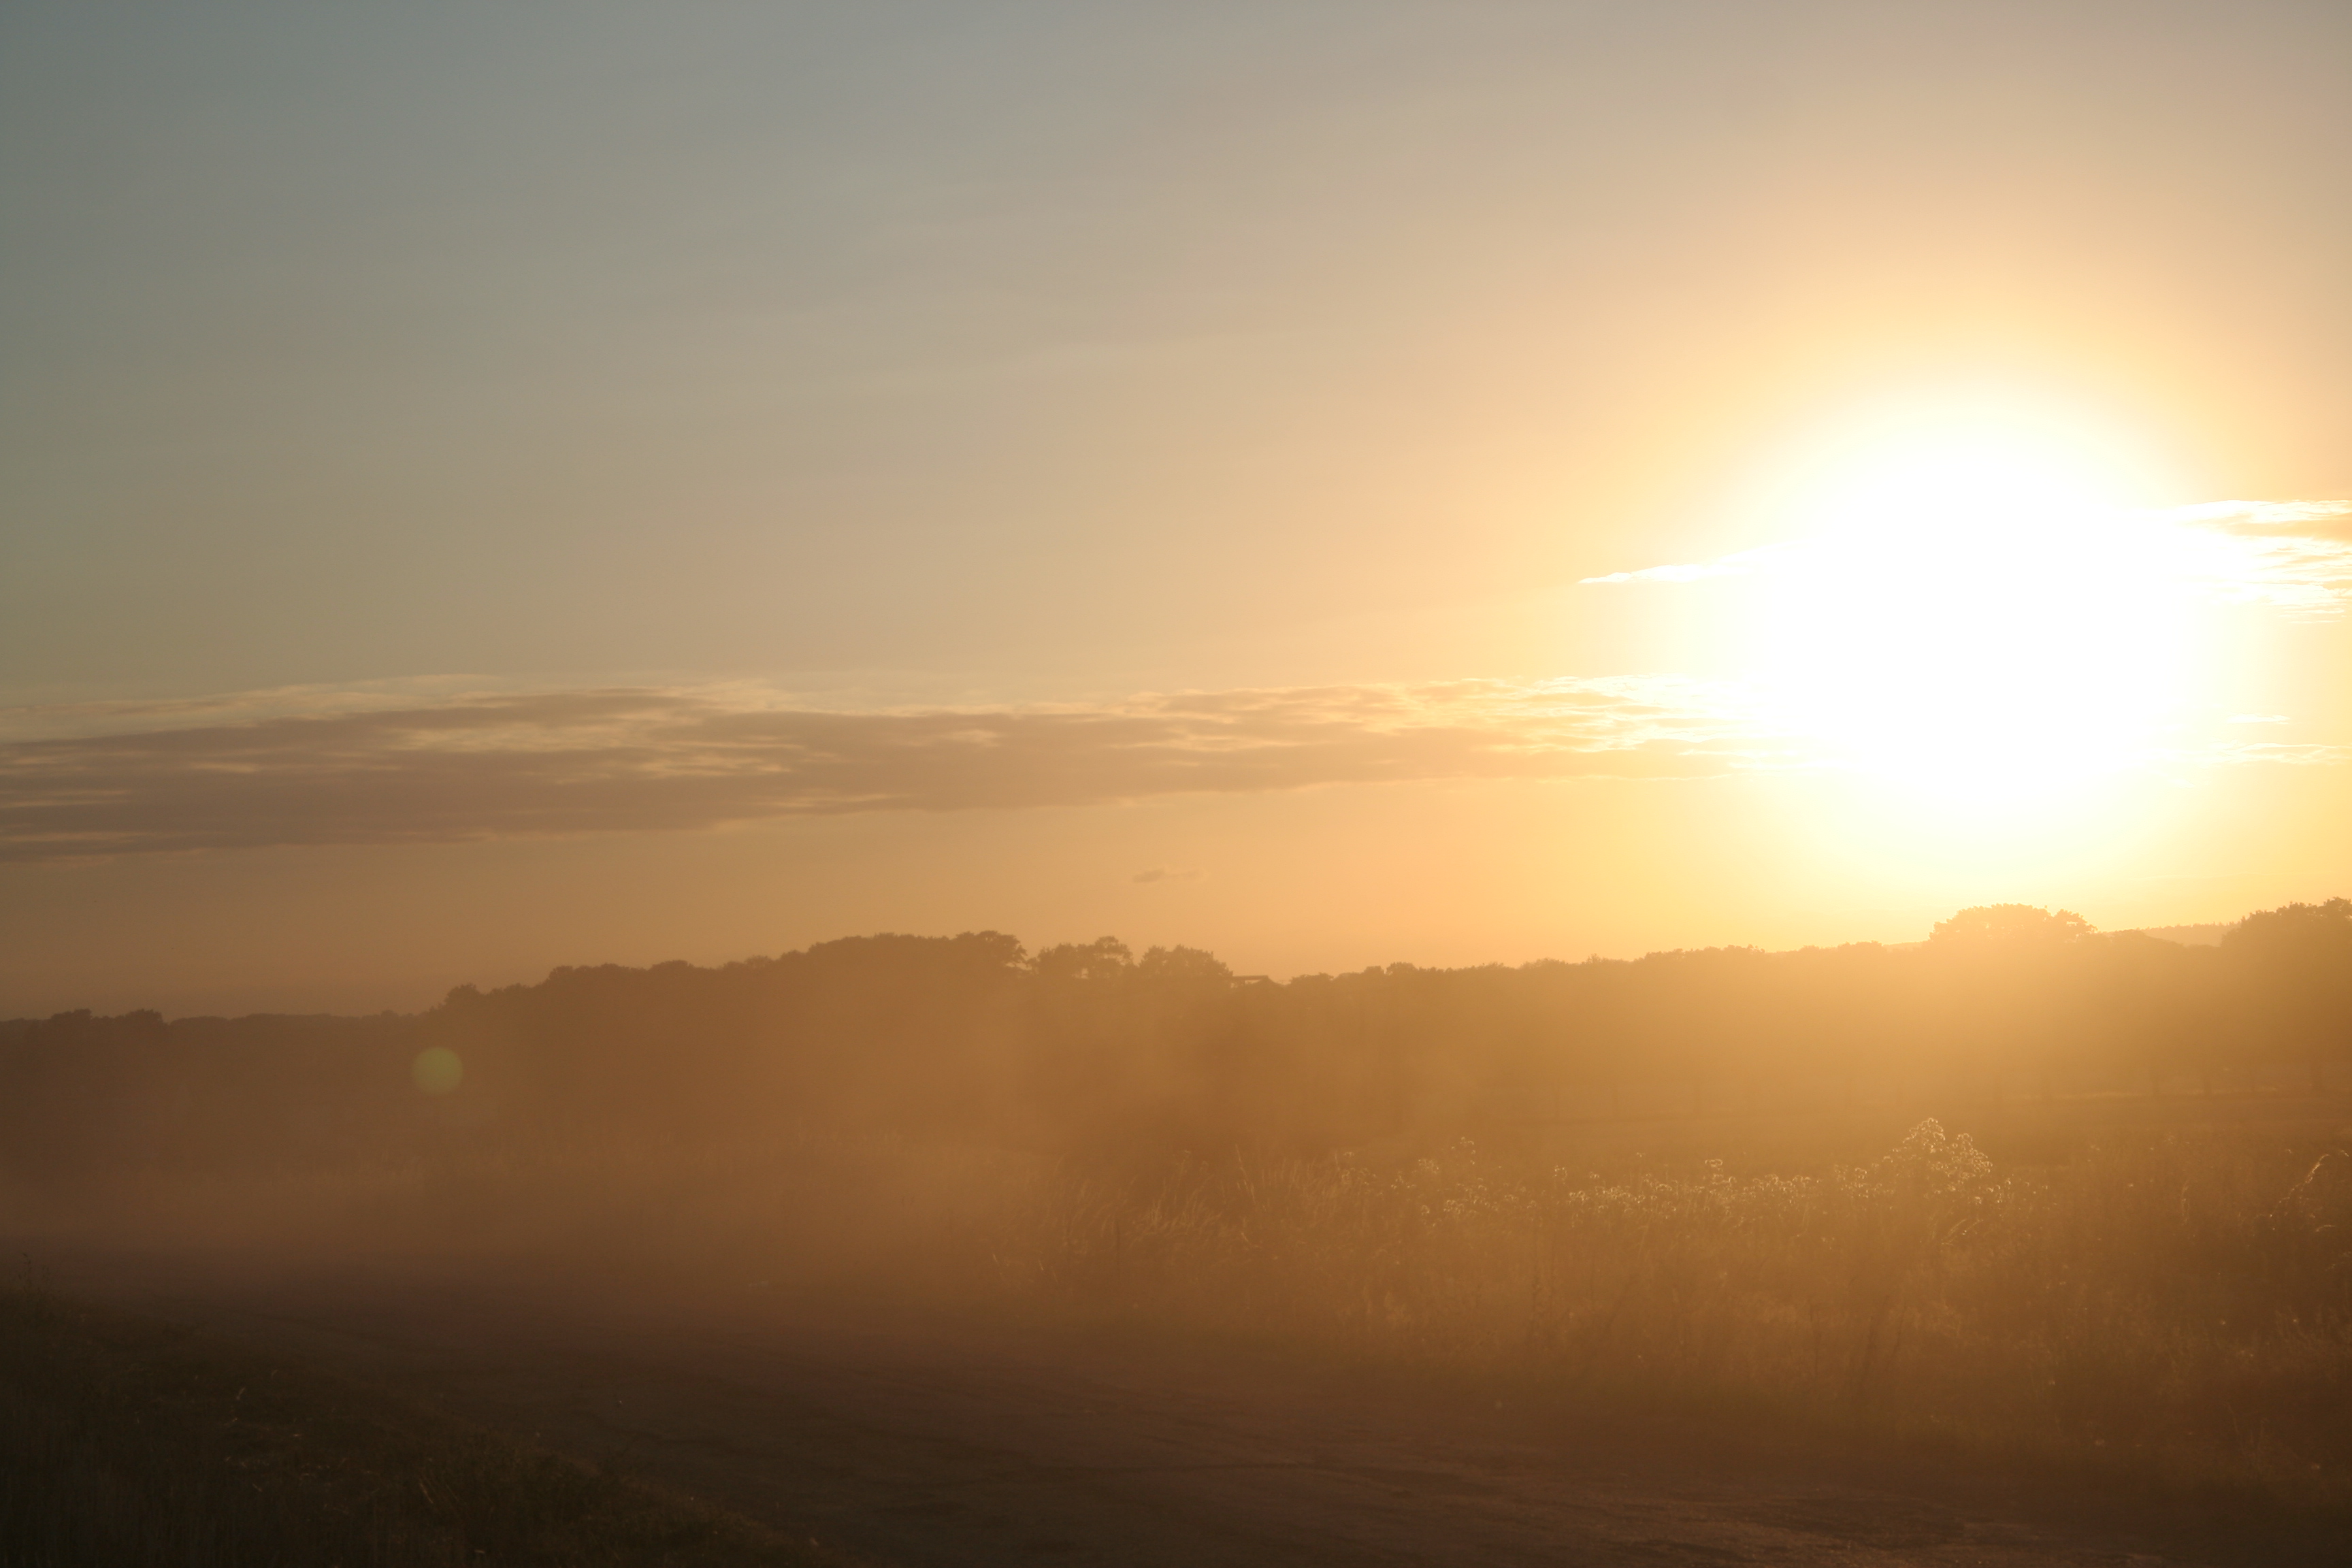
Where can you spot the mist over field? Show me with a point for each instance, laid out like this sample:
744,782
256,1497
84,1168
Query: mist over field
1092,1053
2022,1187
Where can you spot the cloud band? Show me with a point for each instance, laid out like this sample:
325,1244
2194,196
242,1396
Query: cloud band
227,773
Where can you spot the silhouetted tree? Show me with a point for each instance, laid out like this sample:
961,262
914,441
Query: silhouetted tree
2297,962
1086,1047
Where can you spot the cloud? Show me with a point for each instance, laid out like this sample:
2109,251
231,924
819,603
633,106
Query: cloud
2314,519
1738,564
2225,754
383,766
2293,556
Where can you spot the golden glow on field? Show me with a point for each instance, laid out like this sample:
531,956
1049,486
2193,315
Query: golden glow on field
1984,607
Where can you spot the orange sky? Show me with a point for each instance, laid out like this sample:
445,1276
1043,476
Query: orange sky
493,488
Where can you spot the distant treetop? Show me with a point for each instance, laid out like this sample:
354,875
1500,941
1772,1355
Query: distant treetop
2296,934
2012,925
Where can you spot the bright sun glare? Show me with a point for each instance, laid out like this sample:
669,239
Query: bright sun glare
1982,605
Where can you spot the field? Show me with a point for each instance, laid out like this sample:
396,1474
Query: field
128,1441
2134,1311
2173,1302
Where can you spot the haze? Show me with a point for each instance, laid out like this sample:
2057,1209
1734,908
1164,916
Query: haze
1307,784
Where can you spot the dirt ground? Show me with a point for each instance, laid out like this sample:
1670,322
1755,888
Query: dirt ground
921,1442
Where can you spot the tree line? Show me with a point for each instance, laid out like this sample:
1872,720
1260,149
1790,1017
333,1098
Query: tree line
1089,1045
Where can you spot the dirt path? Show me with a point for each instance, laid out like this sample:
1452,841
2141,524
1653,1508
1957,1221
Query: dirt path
926,1445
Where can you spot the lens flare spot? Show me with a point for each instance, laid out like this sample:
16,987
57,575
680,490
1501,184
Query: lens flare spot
437,1070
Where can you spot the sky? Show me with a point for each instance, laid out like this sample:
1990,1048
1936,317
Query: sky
484,488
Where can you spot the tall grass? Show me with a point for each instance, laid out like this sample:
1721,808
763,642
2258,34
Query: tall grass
2172,1303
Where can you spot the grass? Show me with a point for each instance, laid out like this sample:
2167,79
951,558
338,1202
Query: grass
125,1442
2120,1308
2166,1309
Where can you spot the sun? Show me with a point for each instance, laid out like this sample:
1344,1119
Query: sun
1977,603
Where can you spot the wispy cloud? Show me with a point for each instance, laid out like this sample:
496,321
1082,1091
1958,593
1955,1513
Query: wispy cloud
376,766
2294,556
2226,753
1738,564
